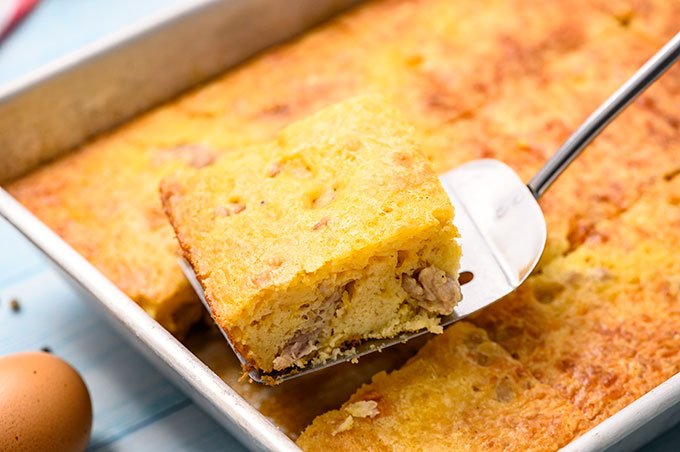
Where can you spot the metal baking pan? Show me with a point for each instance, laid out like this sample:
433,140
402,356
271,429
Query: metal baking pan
62,105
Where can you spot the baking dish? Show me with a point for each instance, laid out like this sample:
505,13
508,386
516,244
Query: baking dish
38,122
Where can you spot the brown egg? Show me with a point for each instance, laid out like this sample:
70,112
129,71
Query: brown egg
44,404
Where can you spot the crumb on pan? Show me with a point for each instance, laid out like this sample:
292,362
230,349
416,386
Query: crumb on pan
14,305
345,425
363,408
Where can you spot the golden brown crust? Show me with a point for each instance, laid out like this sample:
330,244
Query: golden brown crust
459,392
601,324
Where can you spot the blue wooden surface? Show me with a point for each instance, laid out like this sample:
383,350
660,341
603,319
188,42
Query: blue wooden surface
135,408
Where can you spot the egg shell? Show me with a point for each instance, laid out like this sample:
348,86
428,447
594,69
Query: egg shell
44,404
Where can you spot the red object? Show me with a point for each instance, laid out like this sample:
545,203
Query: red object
11,13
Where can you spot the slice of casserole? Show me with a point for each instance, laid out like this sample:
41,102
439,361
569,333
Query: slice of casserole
337,231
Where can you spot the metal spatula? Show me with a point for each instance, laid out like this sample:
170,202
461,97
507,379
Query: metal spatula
501,225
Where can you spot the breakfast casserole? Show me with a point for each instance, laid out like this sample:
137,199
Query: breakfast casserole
487,79
336,232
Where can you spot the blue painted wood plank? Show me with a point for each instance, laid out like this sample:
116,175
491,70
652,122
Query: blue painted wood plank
59,27
18,257
186,429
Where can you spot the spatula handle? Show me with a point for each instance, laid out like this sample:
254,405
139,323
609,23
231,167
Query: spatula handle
601,117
